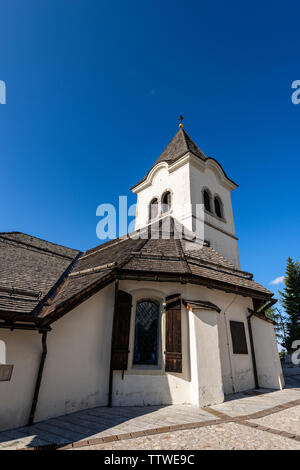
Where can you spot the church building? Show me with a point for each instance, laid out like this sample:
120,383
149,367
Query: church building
162,316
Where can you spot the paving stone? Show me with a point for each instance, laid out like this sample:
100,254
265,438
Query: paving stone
59,432
228,436
166,424
286,420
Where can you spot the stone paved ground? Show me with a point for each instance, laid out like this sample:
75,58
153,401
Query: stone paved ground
229,436
287,420
240,403
279,429
261,419
101,422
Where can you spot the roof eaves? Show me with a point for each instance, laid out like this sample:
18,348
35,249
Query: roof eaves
54,289
50,316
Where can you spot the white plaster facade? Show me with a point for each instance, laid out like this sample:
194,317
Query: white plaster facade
76,369
266,354
186,179
76,374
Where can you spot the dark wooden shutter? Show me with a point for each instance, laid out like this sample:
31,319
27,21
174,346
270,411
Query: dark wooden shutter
121,330
173,334
238,335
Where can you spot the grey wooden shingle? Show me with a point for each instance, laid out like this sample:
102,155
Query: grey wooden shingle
36,267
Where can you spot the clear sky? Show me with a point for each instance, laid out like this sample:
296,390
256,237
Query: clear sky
94,89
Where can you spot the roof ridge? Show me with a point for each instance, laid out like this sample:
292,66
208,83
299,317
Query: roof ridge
59,284
104,246
28,246
185,134
2,235
189,140
183,255
37,238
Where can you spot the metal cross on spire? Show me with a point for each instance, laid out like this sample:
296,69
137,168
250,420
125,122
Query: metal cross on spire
181,119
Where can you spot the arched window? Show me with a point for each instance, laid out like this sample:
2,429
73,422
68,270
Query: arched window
218,207
166,202
153,209
206,200
146,333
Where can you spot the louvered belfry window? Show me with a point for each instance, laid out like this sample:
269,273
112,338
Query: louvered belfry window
146,333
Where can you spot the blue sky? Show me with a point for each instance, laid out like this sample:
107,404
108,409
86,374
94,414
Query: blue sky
94,89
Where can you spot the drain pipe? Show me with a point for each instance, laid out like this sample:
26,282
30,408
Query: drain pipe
111,372
38,379
252,348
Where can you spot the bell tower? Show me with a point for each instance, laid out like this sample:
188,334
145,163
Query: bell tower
192,188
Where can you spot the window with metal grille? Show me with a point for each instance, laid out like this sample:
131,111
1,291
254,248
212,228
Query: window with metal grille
153,209
146,333
206,200
238,335
218,207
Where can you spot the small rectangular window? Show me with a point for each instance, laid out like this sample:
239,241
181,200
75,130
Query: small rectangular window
238,335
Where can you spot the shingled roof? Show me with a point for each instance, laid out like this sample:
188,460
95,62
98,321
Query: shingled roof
29,268
180,145
41,281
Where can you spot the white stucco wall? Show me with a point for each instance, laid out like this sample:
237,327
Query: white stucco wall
77,366
206,375
219,232
268,364
224,244
146,386
76,369
237,369
162,180
186,179
23,349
